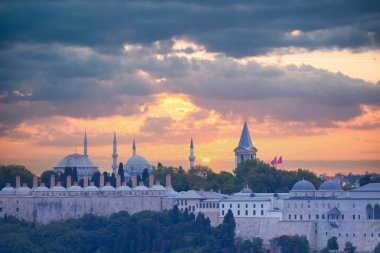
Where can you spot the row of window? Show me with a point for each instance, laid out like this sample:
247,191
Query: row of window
301,205
323,216
246,212
353,234
246,205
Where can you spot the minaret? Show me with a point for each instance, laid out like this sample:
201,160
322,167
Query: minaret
191,157
134,148
85,145
114,155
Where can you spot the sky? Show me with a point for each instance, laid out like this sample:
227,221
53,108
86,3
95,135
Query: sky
305,75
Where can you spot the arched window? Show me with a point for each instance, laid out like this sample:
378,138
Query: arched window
376,212
369,211
241,158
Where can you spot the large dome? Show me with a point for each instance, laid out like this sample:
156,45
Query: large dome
137,160
303,185
75,160
330,186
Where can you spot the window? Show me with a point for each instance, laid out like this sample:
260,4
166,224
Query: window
213,205
290,216
223,212
300,216
238,205
326,233
262,212
365,235
339,234
238,212
230,205
1,209
246,205
197,205
308,206
353,216
17,209
371,234
346,234
185,202
254,205
353,234
317,216
254,212
358,216
342,216
295,216
181,202
262,205
323,216
217,205
309,217
246,212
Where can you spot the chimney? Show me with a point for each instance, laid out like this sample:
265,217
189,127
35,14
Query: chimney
101,183
68,181
134,181
151,180
157,182
18,181
85,181
35,182
168,180
118,180
52,181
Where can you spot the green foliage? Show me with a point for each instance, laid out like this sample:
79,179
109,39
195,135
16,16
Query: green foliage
369,178
120,171
45,177
349,248
377,248
332,243
147,231
293,244
8,174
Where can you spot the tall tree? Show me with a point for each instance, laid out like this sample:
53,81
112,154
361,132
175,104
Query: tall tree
332,243
45,177
120,171
349,248
8,174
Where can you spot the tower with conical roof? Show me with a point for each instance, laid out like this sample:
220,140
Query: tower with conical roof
114,154
85,145
191,157
245,150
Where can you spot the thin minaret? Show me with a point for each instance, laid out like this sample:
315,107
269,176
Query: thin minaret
191,157
114,154
134,148
85,145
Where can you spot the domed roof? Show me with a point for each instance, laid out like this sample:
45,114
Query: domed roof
123,188
137,160
330,186
107,188
58,188
75,188
157,187
75,160
23,190
8,189
41,188
247,190
140,188
303,185
91,188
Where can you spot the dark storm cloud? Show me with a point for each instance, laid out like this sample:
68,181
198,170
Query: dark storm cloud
235,28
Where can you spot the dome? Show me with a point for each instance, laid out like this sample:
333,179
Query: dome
75,160
247,190
107,188
23,190
140,188
330,186
58,188
157,187
172,194
41,188
303,185
137,160
75,188
8,189
123,188
91,188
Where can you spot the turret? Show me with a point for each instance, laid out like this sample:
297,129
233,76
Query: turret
191,157
245,150
114,154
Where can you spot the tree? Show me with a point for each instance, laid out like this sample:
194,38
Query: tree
113,180
120,171
293,244
349,248
96,178
145,176
8,174
377,248
332,243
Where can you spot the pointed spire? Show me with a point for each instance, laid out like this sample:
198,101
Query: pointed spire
114,154
134,148
85,145
191,156
191,143
114,137
245,138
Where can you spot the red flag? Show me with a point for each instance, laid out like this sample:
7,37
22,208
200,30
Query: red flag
274,161
279,160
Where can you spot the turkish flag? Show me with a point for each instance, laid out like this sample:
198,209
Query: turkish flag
279,160
274,161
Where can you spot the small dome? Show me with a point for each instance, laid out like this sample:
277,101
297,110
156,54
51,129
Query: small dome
107,188
247,190
41,188
157,187
91,188
75,160
8,189
23,190
303,185
140,188
137,160
75,188
58,188
123,188
330,186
